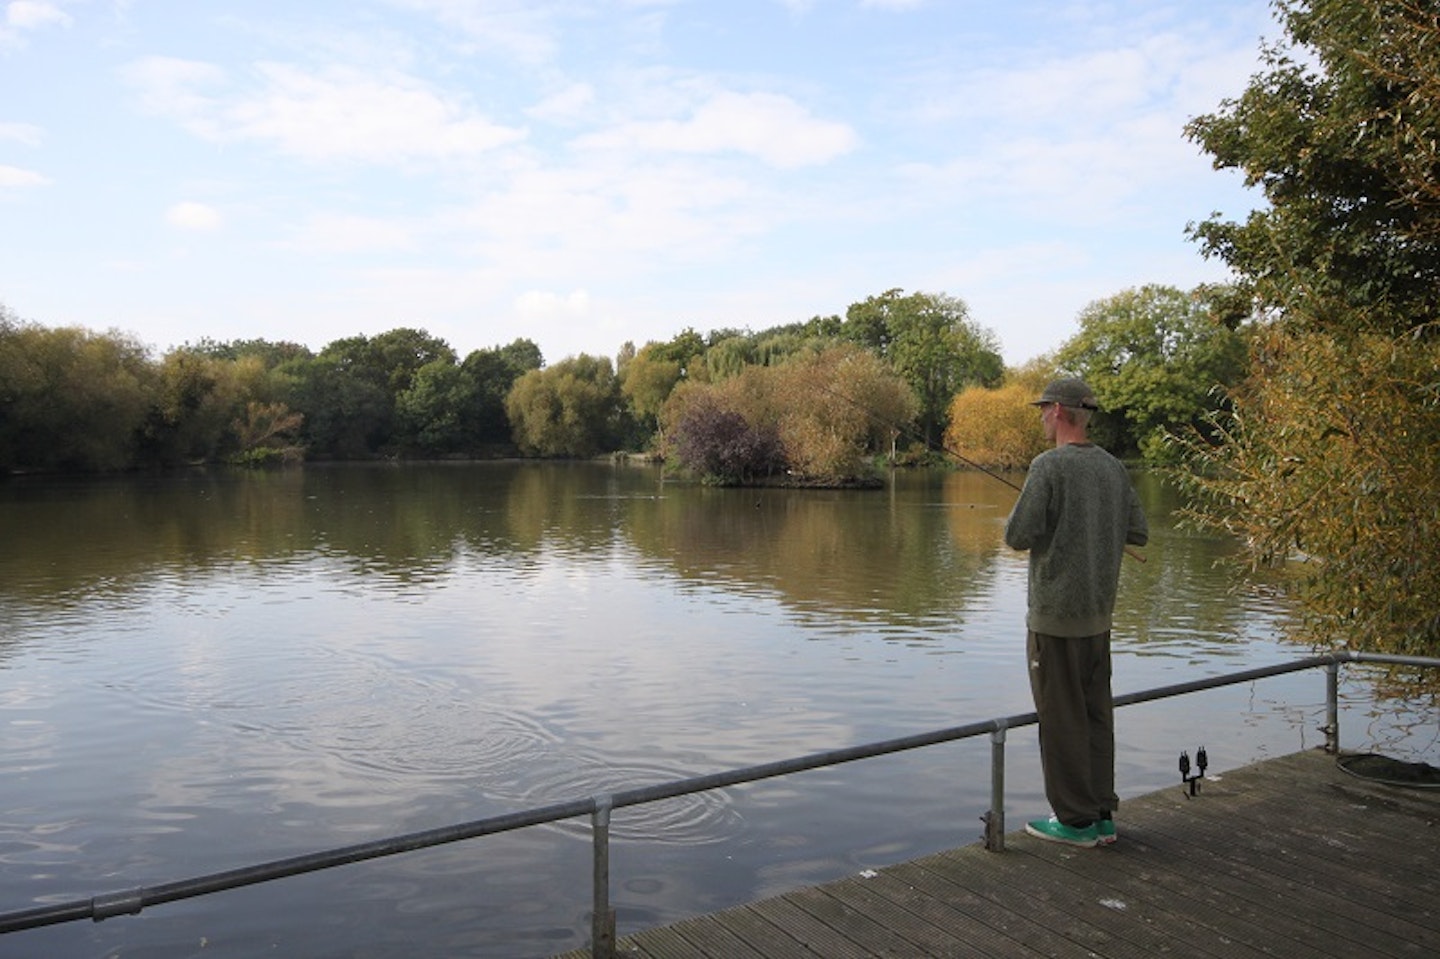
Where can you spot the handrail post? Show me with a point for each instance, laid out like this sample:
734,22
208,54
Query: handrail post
995,818
1332,707
602,920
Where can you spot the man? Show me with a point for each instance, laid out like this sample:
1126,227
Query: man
1075,515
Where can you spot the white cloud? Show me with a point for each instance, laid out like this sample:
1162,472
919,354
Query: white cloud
571,103
543,306
330,233
21,17
25,134
198,217
336,114
770,127
344,114
521,29
33,15
14,178
169,86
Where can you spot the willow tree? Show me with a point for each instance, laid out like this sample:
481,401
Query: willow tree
996,427
1330,464
70,399
569,409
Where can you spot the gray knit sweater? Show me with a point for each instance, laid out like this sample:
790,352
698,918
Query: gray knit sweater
1075,514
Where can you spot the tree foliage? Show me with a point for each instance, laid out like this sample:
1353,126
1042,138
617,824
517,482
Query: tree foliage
1340,133
715,441
1159,359
647,380
494,372
1329,470
70,399
1331,465
831,412
996,427
267,433
931,341
569,409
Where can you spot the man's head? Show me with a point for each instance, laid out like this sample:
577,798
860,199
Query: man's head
1065,409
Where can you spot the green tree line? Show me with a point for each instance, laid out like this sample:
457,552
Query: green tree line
80,401
818,402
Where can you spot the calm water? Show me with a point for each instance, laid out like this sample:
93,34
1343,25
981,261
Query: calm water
202,672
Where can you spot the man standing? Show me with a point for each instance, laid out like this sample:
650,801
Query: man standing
1075,515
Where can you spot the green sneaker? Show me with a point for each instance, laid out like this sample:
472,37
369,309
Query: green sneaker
1056,831
1105,832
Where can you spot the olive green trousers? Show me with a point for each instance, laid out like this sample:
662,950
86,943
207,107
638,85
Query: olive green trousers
1070,680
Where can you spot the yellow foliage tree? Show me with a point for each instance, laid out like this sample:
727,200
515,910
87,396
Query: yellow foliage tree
1330,469
996,428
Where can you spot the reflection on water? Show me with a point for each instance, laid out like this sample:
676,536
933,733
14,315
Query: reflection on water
208,670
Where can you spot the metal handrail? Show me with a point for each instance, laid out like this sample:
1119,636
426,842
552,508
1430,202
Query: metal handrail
599,807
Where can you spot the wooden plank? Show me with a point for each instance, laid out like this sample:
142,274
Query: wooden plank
822,934
1314,844
1065,929
1288,857
978,927
1025,933
1221,915
1355,897
696,938
1126,925
927,932
753,928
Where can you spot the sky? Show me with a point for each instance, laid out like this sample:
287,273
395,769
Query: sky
587,173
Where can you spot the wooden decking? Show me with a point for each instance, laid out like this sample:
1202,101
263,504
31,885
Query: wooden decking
1291,858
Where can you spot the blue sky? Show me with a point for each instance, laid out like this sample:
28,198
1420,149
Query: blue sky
589,172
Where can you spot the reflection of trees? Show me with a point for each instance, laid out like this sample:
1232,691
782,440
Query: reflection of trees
398,521
913,552
77,538
1184,593
872,555
73,537
571,506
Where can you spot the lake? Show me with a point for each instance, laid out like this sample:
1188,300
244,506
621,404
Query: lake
207,670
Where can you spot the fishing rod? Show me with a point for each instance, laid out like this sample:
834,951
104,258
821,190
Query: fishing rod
934,447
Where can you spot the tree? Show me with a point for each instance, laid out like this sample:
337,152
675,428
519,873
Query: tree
930,341
569,409
431,414
1330,467
347,413
839,409
269,352
196,401
647,381
70,399
494,371
348,392
1159,359
267,433
1328,471
1341,135
830,411
997,427
719,445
